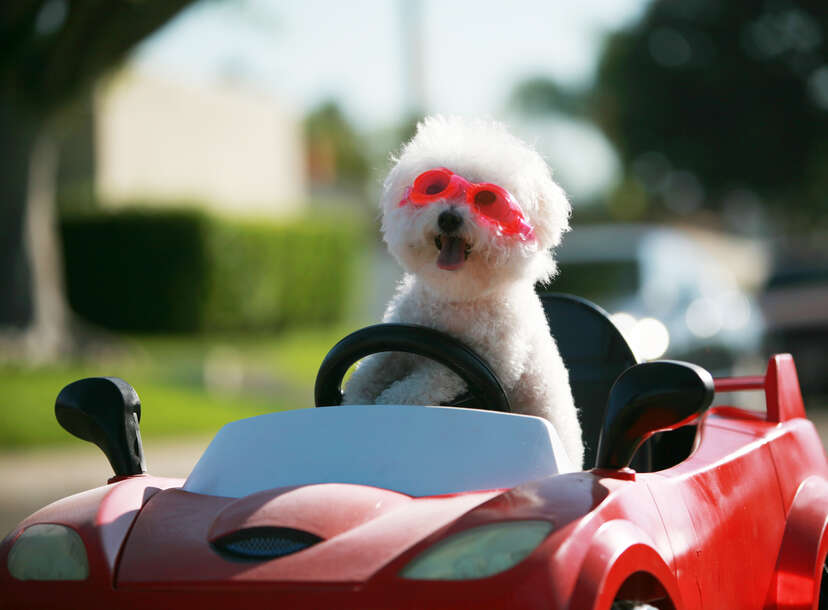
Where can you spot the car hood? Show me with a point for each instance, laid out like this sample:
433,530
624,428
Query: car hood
177,538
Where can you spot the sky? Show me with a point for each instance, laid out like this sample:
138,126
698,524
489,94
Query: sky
470,55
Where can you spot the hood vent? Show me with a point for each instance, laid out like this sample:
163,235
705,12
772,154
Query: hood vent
262,543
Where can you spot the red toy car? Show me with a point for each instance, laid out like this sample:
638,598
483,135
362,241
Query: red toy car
446,507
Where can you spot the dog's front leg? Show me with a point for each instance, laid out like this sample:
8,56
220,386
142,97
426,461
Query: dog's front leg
429,383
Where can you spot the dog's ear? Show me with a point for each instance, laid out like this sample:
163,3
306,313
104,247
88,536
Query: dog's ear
552,210
393,187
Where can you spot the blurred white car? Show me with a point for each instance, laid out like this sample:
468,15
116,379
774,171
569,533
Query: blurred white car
666,294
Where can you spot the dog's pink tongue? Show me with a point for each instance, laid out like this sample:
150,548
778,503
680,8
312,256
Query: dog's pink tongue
452,254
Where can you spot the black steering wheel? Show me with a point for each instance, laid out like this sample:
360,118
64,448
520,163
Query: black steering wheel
485,389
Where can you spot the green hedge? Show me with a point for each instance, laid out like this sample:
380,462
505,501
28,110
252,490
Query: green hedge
266,277
183,271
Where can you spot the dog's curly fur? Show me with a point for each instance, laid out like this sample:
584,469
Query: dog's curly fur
489,302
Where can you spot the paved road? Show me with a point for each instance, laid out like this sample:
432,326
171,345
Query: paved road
32,479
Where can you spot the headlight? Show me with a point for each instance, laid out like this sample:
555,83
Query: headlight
48,552
478,552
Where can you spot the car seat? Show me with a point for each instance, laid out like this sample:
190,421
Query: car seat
594,352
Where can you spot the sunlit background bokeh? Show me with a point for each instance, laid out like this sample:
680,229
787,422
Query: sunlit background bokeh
189,187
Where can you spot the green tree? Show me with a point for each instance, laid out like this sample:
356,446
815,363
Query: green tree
50,52
730,96
539,96
336,151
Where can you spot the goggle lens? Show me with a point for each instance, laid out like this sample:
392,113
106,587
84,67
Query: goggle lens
492,203
431,185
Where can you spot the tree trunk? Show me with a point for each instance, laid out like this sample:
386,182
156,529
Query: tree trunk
16,139
34,315
48,335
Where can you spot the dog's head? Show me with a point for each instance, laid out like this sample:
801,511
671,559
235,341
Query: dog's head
469,208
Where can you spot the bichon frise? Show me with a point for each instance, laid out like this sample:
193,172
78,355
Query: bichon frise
471,213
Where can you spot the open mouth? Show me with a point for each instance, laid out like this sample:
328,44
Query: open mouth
454,251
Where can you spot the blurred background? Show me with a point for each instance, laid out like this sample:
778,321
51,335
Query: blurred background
189,191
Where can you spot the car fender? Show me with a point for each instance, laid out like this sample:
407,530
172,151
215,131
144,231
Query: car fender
795,584
618,550
102,517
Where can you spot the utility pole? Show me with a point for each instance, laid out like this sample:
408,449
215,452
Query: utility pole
413,68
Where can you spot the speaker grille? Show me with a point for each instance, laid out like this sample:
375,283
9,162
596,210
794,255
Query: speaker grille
262,543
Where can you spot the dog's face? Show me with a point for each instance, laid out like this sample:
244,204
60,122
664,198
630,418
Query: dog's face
449,235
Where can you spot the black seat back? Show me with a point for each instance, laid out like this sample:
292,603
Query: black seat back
594,352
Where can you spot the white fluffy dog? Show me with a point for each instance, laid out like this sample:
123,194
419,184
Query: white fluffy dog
473,235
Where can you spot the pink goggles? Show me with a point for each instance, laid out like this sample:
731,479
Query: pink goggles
491,204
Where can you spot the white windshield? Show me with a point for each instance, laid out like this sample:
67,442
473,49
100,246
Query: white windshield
419,451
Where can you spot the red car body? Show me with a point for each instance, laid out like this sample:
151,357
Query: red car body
741,523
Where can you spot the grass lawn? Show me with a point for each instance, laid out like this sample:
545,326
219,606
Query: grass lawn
187,385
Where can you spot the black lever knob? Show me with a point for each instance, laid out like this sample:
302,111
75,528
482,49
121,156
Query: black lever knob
105,411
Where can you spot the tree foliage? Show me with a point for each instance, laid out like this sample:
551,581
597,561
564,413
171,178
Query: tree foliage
51,49
50,52
733,94
539,96
337,156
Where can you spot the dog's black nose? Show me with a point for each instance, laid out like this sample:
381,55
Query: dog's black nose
449,221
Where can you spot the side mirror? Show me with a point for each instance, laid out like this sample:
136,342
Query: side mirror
105,411
649,398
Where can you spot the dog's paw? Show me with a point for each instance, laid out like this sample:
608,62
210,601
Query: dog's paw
400,393
429,384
